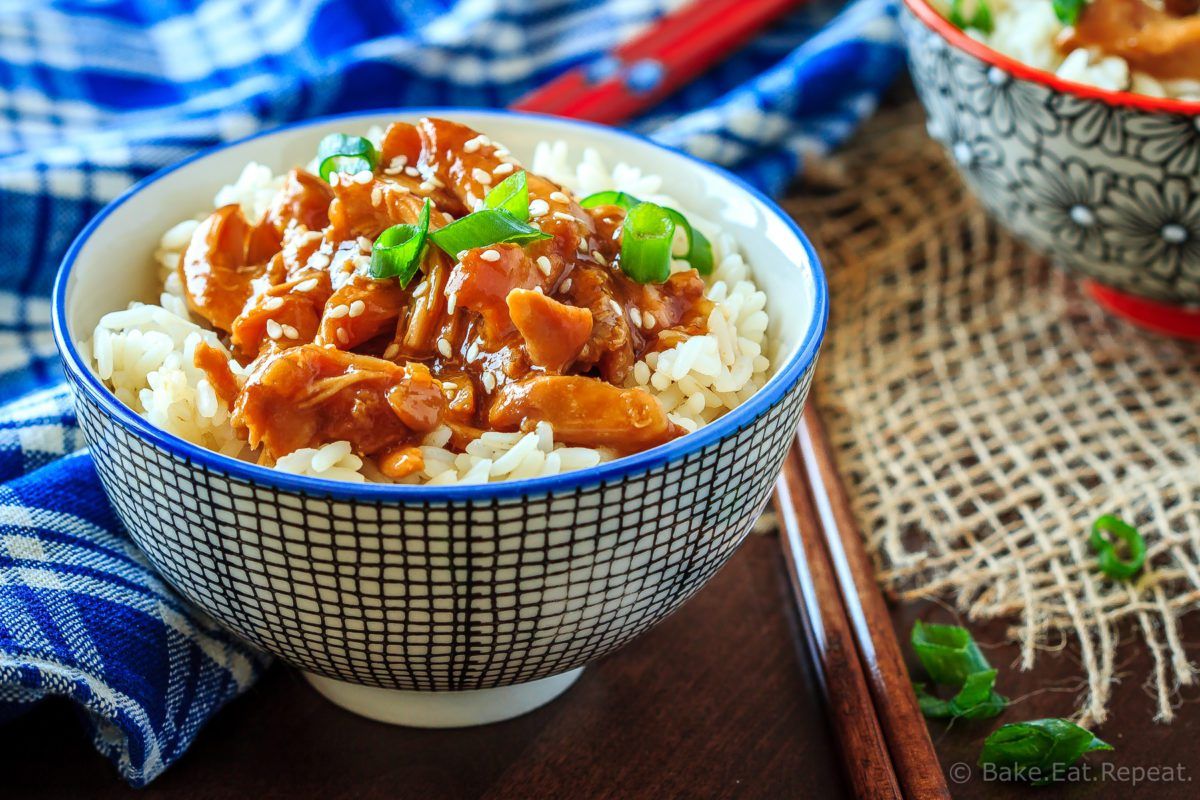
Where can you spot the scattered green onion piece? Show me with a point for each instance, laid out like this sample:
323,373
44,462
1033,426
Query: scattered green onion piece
977,699
609,198
1068,11
398,250
1111,563
980,20
699,250
646,242
1040,750
511,195
489,226
338,152
948,653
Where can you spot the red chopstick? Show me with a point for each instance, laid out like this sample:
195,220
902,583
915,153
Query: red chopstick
650,66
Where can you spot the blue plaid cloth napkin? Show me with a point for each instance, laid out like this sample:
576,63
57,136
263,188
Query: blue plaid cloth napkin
95,94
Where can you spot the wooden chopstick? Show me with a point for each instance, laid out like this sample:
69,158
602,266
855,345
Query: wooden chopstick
831,638
913,757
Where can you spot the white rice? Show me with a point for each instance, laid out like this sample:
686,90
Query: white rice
144,353
1026,31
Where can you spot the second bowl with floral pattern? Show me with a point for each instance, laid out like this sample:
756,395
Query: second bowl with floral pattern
1106,183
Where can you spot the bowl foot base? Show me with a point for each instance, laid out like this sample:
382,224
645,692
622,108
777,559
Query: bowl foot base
443,709
1181,322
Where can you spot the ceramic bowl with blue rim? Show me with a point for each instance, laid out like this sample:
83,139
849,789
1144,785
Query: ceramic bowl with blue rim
1106,183
441,605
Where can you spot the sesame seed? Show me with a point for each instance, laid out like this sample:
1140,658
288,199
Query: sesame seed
376,195
318,260
446,215
503,169
391,351
290,331
473,351
489,381
363,176
420,289
449,386
559,197
273,303
599,258
462,254
451,300
306,285
538,208
482,176
357,308
566,285
616,233
426,186
500,152
648,320
544,265
435,181
473,201
274,329
443,347
562,216
615,306
412,172
472,145
398,163
490,255
538,289
342,336
582,247
335,179
636,316
337,312
365,244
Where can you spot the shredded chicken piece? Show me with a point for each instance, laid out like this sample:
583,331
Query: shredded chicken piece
215,363
554,332
584,411
308,395
361,310
218,268
303,200
1160,41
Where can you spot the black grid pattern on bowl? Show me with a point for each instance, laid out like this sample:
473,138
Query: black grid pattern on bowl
437,596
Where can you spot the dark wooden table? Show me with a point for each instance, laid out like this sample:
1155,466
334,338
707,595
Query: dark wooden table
718,701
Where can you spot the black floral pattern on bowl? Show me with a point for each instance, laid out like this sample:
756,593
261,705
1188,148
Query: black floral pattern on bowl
1110,191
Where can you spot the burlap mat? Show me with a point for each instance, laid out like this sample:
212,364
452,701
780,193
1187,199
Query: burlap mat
986,412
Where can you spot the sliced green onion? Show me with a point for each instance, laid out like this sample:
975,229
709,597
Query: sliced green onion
1111,563
398,250
511,195
977,699
489,226
609,198
980,19
699,249
338,152
948,653
646,243
1068,11
1038,751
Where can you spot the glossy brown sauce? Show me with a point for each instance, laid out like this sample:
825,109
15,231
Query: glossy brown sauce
1163,42
499,338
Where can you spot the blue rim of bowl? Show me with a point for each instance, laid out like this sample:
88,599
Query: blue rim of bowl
735,420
